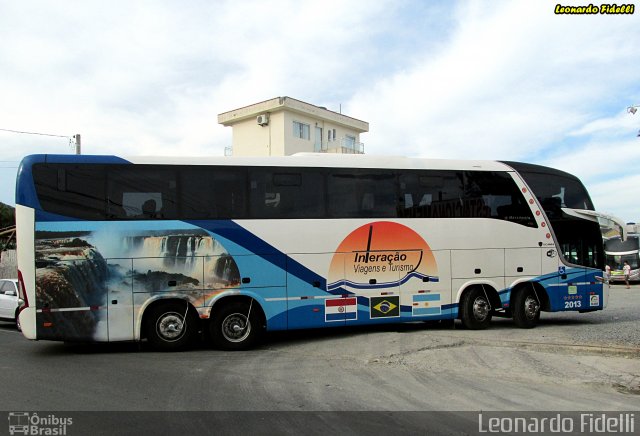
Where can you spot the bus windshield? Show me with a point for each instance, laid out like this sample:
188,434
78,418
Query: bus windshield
580,240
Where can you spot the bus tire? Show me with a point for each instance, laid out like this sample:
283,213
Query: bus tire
525,308
231,329
170,326
475,309
18,326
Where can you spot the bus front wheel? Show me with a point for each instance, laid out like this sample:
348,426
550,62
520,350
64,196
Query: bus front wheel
170,326
475,309
235,326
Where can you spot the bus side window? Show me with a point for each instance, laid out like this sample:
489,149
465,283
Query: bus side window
142,193
286,193
362,194
210,192
499,195
428,193
71,190
368,202
272,199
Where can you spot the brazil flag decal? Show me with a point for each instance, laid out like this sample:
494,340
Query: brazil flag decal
384,307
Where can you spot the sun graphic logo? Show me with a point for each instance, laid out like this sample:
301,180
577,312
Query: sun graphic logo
378,256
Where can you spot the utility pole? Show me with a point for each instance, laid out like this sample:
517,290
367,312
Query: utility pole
77,137
632,110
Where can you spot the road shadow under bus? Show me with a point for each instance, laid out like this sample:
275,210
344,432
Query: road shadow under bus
292,338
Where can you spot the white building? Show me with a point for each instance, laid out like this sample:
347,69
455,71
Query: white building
284,126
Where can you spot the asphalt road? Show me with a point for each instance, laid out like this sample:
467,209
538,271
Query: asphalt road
570,362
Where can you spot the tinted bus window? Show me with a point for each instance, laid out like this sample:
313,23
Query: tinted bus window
213,193
361,194
141,192
431,194
71,190
495,195
286,193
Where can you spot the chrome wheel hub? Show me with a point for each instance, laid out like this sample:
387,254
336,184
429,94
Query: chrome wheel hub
480,309
236,328
170,327
531,307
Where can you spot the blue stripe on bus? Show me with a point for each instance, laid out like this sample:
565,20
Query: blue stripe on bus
83,159
426,311
426,297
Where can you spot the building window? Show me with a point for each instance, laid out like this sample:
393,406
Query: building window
350,142
318,144
301,130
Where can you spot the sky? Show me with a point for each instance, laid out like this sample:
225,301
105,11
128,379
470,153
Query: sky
498,80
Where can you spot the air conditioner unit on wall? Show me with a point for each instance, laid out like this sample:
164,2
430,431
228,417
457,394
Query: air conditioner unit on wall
263,119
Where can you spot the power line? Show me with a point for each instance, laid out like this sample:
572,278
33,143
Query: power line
36,133
70,138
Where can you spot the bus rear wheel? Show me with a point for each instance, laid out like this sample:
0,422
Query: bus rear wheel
235,326
475,309
170,326
526,308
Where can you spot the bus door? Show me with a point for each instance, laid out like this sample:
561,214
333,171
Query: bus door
345,283
119,303
374,277
424,292
316,301
573,279
525,262
582,262
564,279
265,275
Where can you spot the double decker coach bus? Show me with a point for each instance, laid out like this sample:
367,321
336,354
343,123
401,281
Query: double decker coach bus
617,251
114,249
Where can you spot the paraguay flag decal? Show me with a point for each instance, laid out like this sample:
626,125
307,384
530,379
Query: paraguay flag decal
340,309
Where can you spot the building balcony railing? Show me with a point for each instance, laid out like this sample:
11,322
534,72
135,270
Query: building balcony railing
343,145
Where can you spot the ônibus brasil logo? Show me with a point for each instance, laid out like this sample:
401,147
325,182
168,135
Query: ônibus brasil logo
27,423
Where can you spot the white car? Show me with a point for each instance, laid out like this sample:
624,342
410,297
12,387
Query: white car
9,301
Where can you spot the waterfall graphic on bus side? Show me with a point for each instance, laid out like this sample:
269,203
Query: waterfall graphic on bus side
81,274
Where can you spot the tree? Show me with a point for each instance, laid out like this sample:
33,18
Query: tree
7,220
7,216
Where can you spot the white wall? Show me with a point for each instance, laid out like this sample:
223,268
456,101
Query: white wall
9,265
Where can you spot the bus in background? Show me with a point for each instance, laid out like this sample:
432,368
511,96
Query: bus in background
618,251
171,249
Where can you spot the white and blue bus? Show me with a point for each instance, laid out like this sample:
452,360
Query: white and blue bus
618,251
172,249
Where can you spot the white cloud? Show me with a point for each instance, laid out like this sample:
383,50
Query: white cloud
513,79
618,196
499,80
518,82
